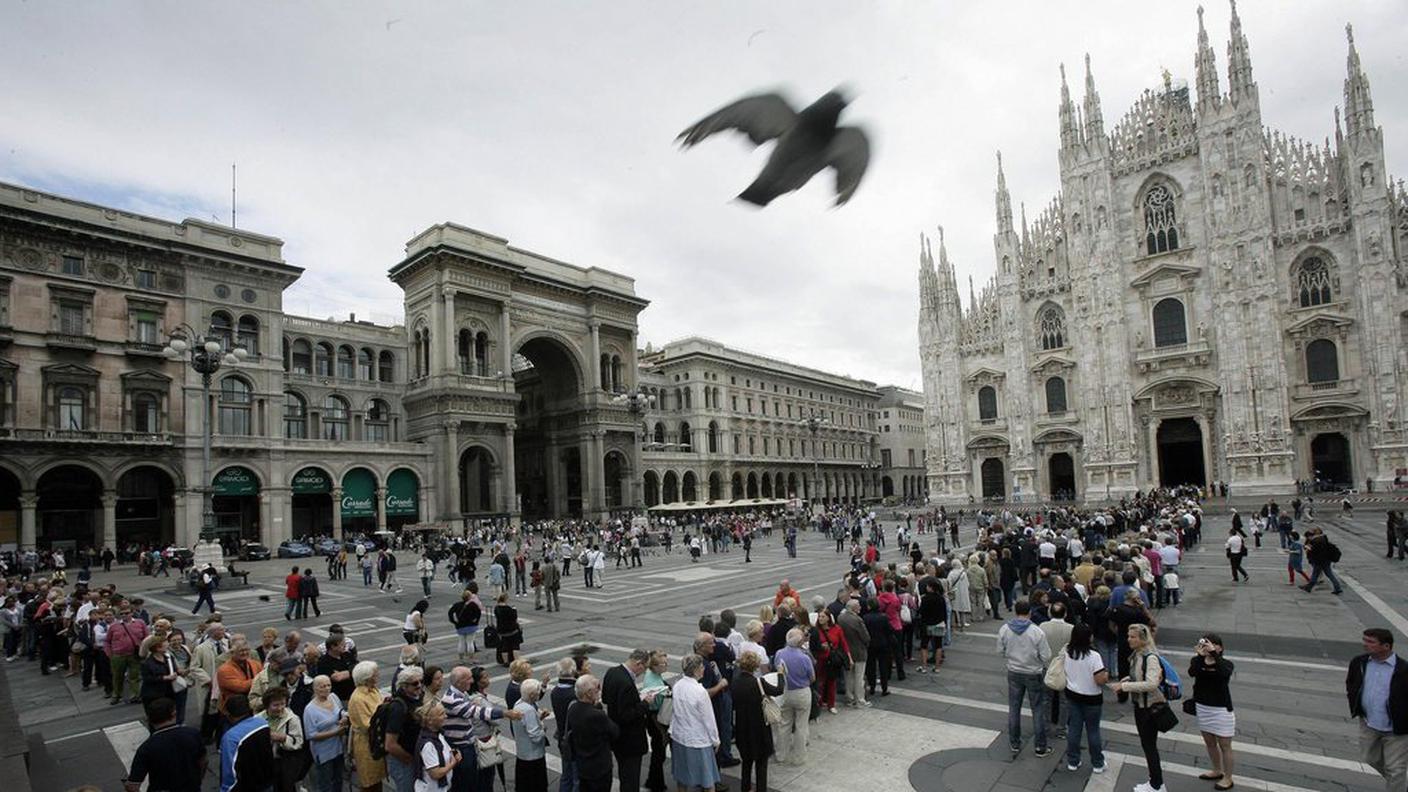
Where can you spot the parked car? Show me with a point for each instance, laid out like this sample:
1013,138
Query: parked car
328,546
253,551
292,549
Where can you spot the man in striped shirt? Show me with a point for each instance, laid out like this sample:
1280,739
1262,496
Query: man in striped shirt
461,713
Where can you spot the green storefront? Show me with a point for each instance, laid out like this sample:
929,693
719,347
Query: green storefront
311,490
358,502
235,502
402,499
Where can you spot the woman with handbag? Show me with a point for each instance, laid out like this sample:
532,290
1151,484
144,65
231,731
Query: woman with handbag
1151,712
658,724
832,656
291,756
325,724
510,632
1212,703
158,671
488,756
413,628
751,731
1236,551
176,648
933,618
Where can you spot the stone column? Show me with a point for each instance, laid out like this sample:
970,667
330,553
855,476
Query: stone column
505,340
631,367
1204,430
381,508
337,513
29,511
450,477
1152,427
436,361
451,335
179,523
509,490
109,535
283,517
595,470
596,356
266,519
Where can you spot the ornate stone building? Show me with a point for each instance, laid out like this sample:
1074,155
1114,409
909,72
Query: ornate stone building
899,428
1205,299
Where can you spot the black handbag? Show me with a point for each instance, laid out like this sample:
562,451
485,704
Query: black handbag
491,636
1163,717
1190,707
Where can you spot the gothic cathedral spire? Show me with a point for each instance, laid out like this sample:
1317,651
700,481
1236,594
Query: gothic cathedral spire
1239,62
1209,95
1070,132
1094,121
1358,105
1004,200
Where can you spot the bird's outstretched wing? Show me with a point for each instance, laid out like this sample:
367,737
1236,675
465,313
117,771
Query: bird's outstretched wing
849,154
762,118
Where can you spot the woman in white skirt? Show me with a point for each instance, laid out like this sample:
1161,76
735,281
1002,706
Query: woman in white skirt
1212,701
694,734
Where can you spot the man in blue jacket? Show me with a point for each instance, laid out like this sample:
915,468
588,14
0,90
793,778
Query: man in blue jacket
1377,686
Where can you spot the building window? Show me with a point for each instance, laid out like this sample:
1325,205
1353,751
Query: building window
686,442
1322,361
378,428
659,437
1170,326
1051,328
146,414
322,360
1160,223
72,409
301,358
73,265
222,328
295,416
73,319
236,403
146,279
248,334
345,366
148,328
1313,282
364,364
1055,395
987,403
334,418
885,457
386,367
713,437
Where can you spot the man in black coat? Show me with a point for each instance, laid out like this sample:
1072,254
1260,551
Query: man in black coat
590,735
1377,686
777,634
623,705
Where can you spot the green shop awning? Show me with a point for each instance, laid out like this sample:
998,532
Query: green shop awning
311,481
358,493
402,494
236,481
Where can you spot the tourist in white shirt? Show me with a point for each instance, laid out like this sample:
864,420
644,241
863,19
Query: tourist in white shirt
753,631
437,759
1086,676
1047,552
1170,555
694,735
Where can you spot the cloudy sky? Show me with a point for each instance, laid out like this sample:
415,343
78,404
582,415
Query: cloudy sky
356,124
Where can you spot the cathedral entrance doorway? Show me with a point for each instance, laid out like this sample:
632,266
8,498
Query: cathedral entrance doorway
1180,443
1063,476
1329,458
994,476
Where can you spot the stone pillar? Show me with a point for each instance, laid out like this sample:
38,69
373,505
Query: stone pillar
1152,427
29,512
632,366
381,508
557,480
337,513
505,340
1206,433
108,537
595,470
596,357
452,340
436,357
283,517
266,518
179,523
450,479
509,490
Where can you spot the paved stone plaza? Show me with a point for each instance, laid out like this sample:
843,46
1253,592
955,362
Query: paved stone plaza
934,732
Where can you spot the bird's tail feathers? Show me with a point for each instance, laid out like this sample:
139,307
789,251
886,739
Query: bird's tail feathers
756,195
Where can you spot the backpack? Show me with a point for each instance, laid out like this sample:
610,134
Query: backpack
1172,686
1332,552
376,729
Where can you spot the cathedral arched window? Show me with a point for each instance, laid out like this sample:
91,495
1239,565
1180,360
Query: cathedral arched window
1051,328
987,403
1160,220
1322,361
1055,395
1170,323
1313,282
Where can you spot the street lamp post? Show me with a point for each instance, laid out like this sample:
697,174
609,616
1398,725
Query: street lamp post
205,355
814,420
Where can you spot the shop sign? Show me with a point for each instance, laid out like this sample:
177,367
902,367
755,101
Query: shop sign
401,494
235,481
358,494
310,481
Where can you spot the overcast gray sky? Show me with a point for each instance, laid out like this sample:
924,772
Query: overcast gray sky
356,124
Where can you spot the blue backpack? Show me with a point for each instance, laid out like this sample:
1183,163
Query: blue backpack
1171,687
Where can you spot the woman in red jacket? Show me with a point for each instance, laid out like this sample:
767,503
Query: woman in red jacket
832,655
291,593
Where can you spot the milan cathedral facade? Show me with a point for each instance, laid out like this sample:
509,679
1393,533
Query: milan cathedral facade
1206,299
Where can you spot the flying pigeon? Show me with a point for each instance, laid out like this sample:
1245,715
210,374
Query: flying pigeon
807,142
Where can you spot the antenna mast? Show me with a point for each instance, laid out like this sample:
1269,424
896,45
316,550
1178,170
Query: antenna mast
232,195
